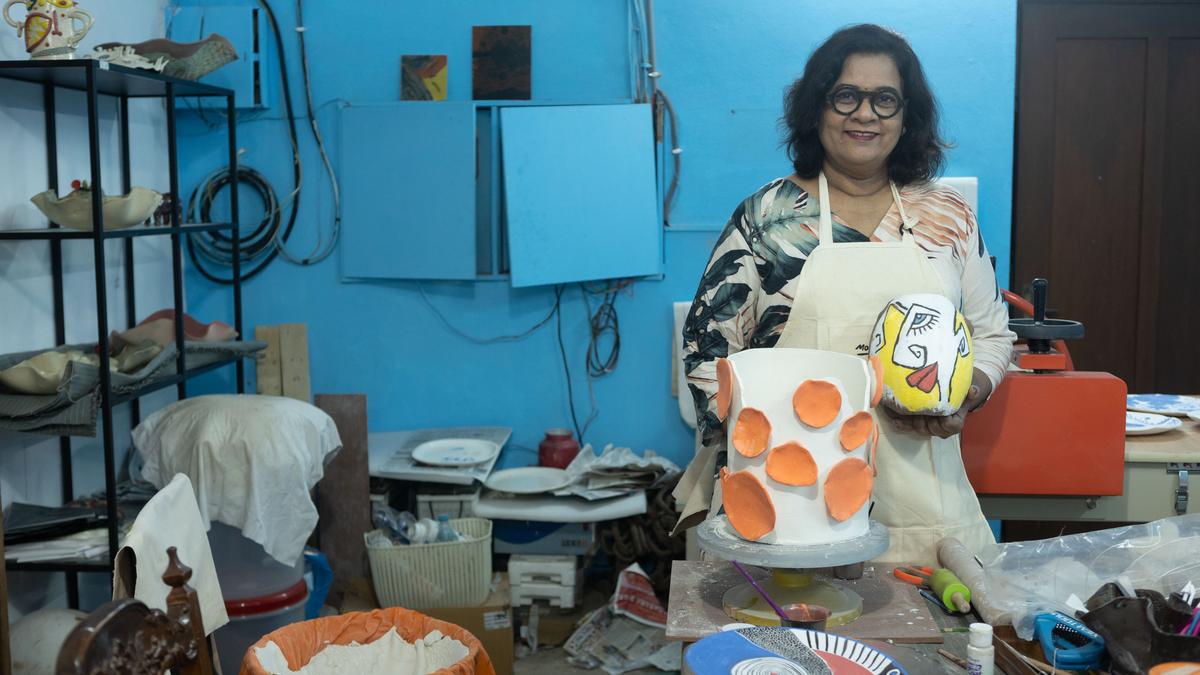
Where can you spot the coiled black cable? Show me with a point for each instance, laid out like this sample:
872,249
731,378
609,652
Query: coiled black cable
201,243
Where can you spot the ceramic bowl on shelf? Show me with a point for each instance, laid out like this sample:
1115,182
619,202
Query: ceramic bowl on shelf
41,374
75,210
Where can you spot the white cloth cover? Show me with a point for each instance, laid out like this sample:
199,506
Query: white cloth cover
253,461
171,518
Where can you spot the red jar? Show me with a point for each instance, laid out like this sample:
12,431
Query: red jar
557,449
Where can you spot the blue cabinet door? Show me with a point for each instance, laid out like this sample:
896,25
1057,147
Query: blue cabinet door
579,191
408,190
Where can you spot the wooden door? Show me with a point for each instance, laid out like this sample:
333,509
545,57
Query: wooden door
1107,181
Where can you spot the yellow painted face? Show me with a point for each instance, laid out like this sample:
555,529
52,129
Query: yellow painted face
924,347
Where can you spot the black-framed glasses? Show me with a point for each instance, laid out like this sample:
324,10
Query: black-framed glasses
847,100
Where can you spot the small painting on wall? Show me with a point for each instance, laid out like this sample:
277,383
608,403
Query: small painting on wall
500,62
423,77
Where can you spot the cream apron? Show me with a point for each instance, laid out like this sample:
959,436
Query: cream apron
922,493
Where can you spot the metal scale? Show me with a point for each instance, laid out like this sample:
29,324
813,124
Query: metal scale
793,578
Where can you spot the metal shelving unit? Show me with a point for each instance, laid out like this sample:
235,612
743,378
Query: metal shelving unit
96,79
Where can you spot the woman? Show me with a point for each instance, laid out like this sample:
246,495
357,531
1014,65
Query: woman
809,260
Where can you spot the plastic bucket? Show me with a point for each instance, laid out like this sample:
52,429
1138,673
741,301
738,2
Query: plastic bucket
252,618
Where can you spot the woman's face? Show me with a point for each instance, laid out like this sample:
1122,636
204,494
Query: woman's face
859,143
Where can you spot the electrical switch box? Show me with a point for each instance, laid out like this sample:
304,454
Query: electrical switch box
245,25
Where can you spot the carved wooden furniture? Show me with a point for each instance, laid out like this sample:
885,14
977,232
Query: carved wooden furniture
125,637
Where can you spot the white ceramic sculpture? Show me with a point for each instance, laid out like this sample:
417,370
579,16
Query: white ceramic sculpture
51,28
800,436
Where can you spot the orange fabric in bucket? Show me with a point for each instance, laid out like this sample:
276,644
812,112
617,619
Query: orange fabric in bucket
301,641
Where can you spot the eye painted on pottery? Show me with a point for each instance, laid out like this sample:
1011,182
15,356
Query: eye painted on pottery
922,322
64,4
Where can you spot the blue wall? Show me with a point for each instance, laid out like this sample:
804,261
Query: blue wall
725,66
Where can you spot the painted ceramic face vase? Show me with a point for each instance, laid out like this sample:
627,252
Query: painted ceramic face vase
51,28
925,354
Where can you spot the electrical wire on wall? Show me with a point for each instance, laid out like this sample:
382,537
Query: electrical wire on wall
647,89
269,238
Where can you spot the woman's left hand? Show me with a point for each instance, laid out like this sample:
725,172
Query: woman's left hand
944,427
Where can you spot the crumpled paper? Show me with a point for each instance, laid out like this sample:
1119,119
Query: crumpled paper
626,634
615,472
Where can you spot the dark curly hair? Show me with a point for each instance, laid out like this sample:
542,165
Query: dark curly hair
918,155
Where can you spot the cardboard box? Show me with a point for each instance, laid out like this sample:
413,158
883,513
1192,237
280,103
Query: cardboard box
491,623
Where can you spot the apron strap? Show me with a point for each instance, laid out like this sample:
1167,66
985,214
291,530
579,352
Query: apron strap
825,229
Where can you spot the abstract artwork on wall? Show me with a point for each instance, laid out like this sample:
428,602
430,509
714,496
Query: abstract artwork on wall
500,62
423,77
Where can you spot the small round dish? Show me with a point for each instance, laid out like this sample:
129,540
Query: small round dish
455,452
528,480
1145,424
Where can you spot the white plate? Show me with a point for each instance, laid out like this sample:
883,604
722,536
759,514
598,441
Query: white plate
1144,424
528,480
1163,404
455,452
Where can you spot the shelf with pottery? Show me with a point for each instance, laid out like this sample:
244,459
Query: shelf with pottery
111,79
85,401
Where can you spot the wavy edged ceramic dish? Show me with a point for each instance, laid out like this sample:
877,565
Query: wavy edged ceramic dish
75,210
1146,424
41,374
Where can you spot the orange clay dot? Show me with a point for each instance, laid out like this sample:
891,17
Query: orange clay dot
751,432
747,504
724,388
847,488
877,393
791,464
856,430
817,402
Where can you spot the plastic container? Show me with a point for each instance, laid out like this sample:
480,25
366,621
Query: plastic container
299,643
449,574
245,569
252,618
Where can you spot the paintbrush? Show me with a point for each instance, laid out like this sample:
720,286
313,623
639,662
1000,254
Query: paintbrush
760,590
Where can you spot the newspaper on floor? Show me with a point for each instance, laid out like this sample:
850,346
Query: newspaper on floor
615,472
626,634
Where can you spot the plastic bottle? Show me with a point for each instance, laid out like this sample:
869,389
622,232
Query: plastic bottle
444,531
981,655
423,531
395,524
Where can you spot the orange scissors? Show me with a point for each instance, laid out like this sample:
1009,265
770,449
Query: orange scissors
916,575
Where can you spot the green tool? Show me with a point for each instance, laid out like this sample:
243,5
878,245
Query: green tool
954,594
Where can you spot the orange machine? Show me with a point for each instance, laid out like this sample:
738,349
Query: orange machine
1048,429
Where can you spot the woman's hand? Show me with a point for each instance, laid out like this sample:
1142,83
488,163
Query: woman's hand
944,427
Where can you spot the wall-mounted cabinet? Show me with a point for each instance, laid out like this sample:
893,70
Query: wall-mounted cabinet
542,193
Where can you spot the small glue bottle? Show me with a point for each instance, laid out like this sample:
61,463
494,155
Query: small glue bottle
981,655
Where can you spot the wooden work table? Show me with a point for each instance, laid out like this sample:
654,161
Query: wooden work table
1152,477
694,610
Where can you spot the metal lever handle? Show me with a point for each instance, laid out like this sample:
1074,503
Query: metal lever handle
1039,300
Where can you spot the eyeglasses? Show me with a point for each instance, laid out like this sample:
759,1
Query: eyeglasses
847,100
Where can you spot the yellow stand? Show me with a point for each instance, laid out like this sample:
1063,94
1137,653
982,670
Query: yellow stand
790,586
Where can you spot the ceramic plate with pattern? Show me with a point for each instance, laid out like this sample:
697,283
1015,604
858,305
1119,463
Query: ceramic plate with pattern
455,452
1163,404
794,651
1144,424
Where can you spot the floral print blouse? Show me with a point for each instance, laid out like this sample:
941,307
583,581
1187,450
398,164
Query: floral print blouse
744,300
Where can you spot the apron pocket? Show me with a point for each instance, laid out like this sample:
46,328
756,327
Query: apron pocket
845,337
